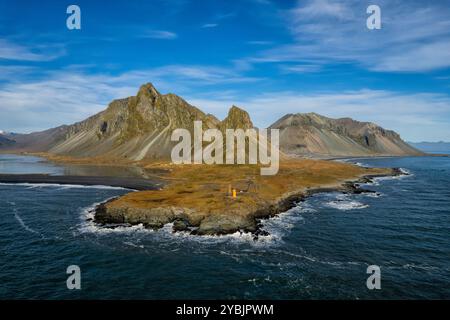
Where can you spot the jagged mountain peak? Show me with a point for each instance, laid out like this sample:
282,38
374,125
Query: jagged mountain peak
237,118
148,90
140,127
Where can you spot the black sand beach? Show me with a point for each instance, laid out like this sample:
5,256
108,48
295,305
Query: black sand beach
128,183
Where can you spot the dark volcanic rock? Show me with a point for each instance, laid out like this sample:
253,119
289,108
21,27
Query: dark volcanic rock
225,224
242,220
180,225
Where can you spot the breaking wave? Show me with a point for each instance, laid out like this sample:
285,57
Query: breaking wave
62,186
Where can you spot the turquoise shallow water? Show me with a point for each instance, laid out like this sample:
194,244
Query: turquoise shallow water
318,250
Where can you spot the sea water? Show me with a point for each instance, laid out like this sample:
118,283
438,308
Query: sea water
319,249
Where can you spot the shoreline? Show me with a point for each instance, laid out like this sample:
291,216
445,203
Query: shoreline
193,198
250,224
138,184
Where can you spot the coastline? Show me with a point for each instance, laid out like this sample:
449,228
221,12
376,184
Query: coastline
246,218
168,198
122,182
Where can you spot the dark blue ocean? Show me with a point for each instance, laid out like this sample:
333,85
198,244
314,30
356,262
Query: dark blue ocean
318,250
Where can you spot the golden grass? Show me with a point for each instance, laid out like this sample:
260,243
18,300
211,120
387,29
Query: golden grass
204,188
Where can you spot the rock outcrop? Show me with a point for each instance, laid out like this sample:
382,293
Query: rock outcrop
238,215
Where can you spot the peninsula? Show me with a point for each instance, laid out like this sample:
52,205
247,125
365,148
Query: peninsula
199,198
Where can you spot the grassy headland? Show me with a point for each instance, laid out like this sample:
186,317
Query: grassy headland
197,197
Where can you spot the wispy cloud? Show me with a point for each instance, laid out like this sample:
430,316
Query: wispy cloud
159,34
260,42
15,72
13,51
210,25
265,2
214,20
72,94
415,116
415,36
206,75
301,68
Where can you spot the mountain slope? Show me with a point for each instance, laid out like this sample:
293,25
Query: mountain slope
316,135
135,128
140,127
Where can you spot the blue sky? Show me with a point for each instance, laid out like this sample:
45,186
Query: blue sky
269,57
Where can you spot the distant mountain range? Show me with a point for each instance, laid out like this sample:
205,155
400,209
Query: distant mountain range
432,147
4,141
139,127
316,135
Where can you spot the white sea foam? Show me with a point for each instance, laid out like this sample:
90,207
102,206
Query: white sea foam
238,237
101,187
346,205
88,225
344,202
132,244
279,225
372,194
62,186
405,171
359,164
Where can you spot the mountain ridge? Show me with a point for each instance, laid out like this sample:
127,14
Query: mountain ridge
139,127
314,134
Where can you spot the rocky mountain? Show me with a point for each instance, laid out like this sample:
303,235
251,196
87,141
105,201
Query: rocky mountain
36,141
135,128
311,134
236,119
140,127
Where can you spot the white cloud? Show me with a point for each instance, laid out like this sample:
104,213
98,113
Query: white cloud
17,52
159,34
320,8
207,75
209,25
14,71
424,57
415,35
301,68
260,42
418,116
70,95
